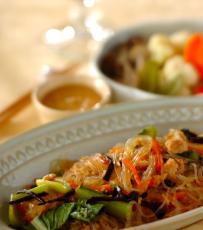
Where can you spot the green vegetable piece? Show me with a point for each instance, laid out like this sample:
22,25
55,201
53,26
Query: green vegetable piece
36,190
57,217
119,209
86,212
150,77
85,193
13,215
45,186
173,87
36,224
150,131
54,185
189,155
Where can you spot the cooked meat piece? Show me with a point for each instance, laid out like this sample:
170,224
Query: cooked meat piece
176,142
28,210
172,167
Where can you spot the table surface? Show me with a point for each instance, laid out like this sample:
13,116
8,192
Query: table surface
23,52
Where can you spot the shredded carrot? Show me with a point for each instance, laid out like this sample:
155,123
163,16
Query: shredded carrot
152,183
73,184
104,160
102,188
157,150
193,52
196,147
132,168
180,196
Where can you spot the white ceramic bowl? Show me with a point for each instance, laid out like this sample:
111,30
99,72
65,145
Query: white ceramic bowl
49,114
123,92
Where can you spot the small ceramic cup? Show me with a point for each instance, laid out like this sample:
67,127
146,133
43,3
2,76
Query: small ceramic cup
48,114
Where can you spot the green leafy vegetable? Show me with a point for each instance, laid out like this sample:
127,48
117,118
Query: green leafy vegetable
86,212
54,218
173,87
150,77
13,215
36,224
151,131
54,185
119,209
85,193
44,186
36,190
189,155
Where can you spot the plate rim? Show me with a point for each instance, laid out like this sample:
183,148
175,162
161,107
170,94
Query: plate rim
94,113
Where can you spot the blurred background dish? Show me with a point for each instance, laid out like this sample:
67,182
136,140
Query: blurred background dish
25,55
153,59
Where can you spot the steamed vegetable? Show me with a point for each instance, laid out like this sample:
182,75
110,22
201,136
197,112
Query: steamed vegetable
176,67
179,39
160,48
193,52
150,77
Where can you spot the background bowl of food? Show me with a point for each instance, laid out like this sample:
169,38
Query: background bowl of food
153,59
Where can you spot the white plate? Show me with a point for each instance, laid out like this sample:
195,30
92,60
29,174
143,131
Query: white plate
29,155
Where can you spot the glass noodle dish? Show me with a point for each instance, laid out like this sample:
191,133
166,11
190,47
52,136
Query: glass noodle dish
145,179
162,64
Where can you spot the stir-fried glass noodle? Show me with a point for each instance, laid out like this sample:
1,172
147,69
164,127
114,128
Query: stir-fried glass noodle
142,180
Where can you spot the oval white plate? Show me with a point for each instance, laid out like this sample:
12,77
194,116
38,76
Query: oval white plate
29,155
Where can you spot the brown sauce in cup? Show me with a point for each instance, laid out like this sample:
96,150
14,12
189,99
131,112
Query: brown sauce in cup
72,97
